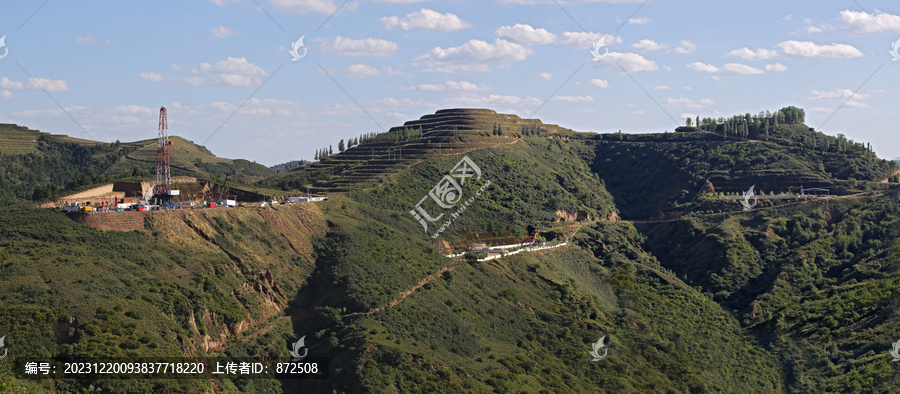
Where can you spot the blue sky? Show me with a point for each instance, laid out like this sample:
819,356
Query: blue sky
110,65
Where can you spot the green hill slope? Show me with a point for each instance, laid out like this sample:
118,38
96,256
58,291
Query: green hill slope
38,166
792,296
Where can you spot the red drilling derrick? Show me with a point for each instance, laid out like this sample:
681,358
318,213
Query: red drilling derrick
163,180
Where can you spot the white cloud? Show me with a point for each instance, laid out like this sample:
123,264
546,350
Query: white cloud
689,103
821,109
631,62
222,32
638,112
221,3
525,34
356,48
730,68
155,77
814,30
737,68
749,54
451,85
582,40
546,76
234,71
846,95
6,95
551,2
360,71
492,100
642,20
85,39
134,110
646,45
475,55
809,49
777,67
685,47
835,94
704,68
50,85
305,6
463,85
574,99
859,23
661,87
425,19
600,83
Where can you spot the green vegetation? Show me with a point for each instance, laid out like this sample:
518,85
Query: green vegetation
793,296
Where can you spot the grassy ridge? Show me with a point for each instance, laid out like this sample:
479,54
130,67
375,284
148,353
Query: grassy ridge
818,280
199,283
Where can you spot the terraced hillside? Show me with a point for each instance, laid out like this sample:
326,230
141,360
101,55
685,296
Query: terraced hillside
653,174
447,133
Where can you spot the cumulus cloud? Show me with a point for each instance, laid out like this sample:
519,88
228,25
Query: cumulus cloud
730,68
582,40
155,77
50,85
451,85
425,19
777,67
234,71
357,48
850,99
305,6
685,47
222,32
642,20
475,55
546,76
492,100
360,71
134,110
646,45
661,87
689,103
809,49
859,23
526,34
600,83
574,99
631,62
749,54
6,95
85,39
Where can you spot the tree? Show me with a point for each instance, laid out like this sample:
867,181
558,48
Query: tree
341,145
330,152
698,120
688,121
